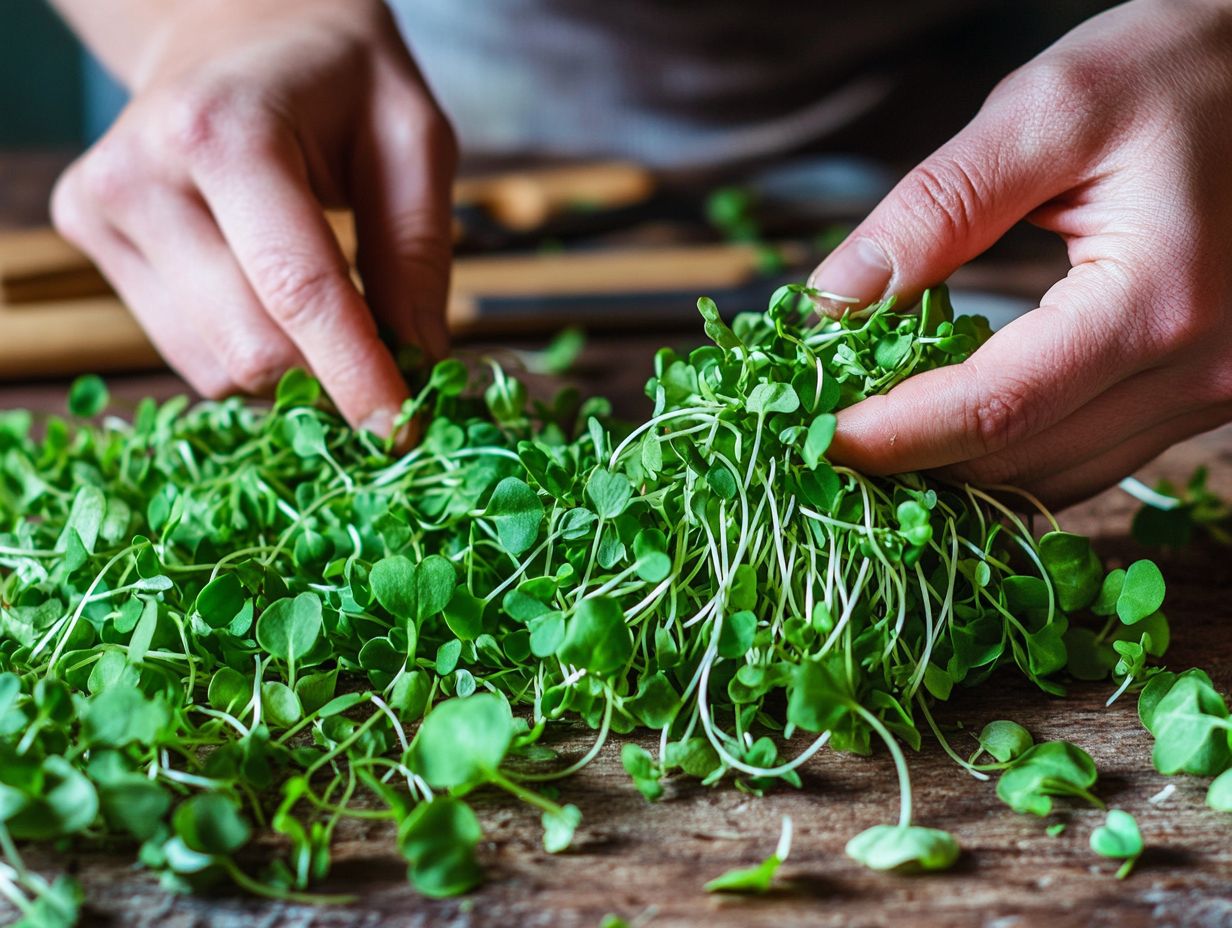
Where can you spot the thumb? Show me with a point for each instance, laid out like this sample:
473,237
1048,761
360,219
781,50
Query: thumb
946,211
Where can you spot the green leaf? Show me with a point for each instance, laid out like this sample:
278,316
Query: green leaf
1219,796
597,638
547,632
1005,740
438,839
717,330
289,629
900,848
122,715
67,805
279,705
1190,727
1074,568
464,614
229,690
818,699
134,804
221,600
558,828
85,519
643,770
297,388
609,493
890,349
448,377
462,742
413,592
755,879
766,398
1053,768
517,512
746,879
1142,592
736,634
1118,838
211,823
650,549
1109,592
87,397
817,441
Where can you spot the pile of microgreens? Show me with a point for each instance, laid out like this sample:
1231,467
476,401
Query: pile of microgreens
227,618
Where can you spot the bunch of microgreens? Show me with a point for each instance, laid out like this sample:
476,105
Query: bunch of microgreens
1172,516
227,618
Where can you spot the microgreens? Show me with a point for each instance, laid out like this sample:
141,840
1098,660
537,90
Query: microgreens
223,619
1120,839
759,878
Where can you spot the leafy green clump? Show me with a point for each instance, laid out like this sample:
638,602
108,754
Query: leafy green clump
1172,516
222,616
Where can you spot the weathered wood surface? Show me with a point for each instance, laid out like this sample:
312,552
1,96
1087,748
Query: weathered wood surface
647,863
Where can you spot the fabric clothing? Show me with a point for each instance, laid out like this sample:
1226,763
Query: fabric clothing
670,83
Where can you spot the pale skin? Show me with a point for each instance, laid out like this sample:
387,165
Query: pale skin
202,205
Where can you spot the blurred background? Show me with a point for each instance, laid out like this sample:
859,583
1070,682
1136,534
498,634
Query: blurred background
738,226
54,94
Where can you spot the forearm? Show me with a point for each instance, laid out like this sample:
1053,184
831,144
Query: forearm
119,31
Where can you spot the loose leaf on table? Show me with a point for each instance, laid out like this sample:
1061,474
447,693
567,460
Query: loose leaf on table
759,878
1120,839
1053,768
904,848
1005,740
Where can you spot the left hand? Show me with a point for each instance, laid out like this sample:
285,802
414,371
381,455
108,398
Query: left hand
1118,139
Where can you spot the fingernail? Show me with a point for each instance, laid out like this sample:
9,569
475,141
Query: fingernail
379,423
854,275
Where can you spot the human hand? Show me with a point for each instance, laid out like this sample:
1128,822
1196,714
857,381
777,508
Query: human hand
1118,139
203,204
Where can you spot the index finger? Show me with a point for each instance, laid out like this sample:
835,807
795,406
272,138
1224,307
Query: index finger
273,222
1029,375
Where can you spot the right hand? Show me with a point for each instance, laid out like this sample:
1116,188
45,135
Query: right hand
203,203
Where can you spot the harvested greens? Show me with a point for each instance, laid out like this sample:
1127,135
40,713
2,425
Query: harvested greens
228,616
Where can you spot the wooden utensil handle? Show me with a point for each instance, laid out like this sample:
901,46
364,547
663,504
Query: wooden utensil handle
39,265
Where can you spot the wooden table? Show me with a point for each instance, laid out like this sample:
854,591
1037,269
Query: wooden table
648,863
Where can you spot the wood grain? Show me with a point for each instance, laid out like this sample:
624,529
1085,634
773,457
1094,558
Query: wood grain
650,861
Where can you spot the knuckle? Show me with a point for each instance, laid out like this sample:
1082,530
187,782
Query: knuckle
944,196
68,209
998,418
202,121
107,173
295,290
256,367
1059,98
